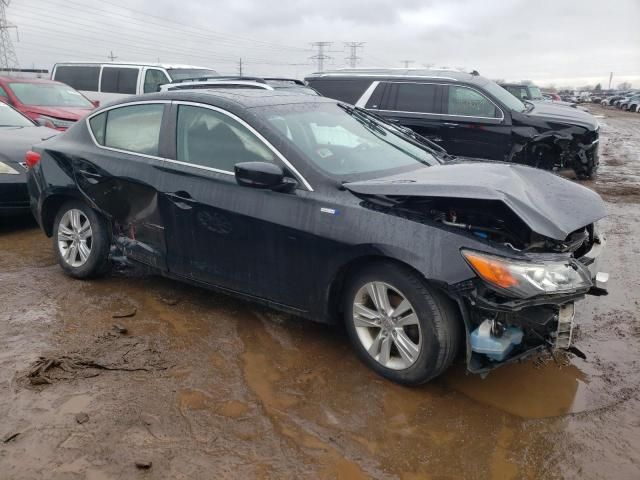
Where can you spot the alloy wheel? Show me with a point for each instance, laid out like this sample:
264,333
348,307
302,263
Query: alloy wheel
75,238
387,325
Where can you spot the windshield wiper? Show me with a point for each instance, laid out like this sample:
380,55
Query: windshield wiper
431,146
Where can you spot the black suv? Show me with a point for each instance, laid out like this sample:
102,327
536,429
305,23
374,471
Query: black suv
471,116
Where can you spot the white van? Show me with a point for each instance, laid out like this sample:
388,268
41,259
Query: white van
110,81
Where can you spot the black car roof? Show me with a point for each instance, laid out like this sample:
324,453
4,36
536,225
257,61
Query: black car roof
404,73
244,98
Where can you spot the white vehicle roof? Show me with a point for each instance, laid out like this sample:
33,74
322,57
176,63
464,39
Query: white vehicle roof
189,84
138,64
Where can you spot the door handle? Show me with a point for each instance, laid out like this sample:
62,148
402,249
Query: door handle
180,195
90,173
448,124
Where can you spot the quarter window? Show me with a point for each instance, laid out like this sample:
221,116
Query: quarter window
135,128
153,79
467,102
119,80
212,139
78,76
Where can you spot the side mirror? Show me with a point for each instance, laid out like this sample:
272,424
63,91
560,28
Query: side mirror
95,103
262,175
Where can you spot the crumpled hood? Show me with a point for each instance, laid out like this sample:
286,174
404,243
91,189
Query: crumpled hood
15,141
560,113
549,204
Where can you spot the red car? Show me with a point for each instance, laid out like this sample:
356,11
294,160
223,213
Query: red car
51,104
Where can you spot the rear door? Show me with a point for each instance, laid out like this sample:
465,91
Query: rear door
473,125
117,82
121,176
411,104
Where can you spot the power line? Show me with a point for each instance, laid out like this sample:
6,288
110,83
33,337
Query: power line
8,57
320,57
353,57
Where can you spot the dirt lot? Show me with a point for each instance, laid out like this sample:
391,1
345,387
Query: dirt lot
205,386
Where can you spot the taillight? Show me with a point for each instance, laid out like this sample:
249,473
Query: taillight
31,158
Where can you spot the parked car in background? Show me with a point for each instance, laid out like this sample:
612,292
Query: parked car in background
471,116
49,103
625,102
266,83
18,134
611,99
324,210
552,97
105,82
523,92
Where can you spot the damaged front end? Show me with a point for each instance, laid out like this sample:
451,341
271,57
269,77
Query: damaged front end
551,145
541,253
522,304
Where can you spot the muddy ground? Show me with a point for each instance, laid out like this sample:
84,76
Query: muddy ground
205,386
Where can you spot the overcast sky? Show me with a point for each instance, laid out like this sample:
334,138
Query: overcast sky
561,42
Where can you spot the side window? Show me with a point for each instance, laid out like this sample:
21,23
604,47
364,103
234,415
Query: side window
524,94
78,76
153,79
467,102
412,97
344,90
119,80
98,124
135,128
212,139
3,94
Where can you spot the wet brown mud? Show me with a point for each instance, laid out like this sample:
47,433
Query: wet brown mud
207,386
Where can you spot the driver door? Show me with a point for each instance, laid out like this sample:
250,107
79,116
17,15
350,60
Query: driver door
219,232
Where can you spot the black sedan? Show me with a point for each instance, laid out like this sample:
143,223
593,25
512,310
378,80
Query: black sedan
17,134
323,210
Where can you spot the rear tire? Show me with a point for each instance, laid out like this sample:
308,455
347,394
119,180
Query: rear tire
81,240
409,338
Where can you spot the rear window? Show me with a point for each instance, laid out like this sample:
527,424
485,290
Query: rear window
134,128
119,80
344,90
78,76
410,97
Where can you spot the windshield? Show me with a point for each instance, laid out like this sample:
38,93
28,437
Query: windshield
344,142
49,95
177,74
504,96
535,93
10,118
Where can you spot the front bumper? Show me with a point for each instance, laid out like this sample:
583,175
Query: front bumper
547,321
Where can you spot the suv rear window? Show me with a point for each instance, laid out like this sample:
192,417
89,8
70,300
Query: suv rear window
119,80
78,76
344,90
411,97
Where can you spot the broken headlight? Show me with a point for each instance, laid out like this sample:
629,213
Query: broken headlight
526,279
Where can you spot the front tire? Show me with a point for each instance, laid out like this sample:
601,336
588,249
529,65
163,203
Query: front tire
81,240
400,327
